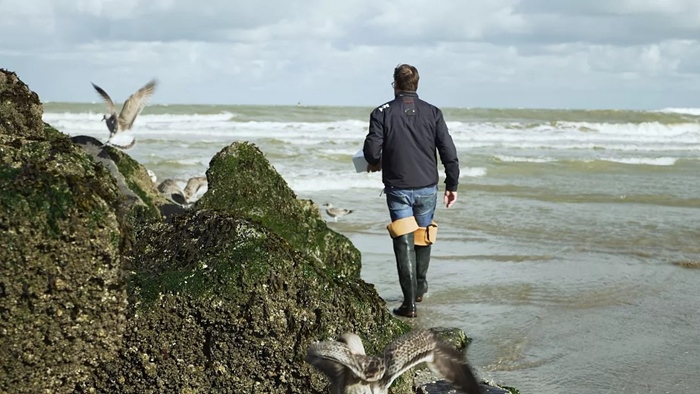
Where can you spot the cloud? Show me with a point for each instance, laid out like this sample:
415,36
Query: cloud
623,22
552,53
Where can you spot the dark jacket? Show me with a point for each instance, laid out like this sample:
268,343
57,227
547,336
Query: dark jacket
404,134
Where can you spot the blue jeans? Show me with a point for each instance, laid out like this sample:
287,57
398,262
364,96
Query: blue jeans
420,203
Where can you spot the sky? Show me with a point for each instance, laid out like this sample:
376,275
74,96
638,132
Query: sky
591,54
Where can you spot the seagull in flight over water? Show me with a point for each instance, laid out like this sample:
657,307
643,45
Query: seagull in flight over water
130,110
351,371
335,213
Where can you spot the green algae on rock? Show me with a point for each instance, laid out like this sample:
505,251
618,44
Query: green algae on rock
237,295
242,181
223,304
62,297
142,200
20,108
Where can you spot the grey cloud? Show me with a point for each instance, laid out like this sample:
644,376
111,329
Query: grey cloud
488,53
605,22
607,7
74,22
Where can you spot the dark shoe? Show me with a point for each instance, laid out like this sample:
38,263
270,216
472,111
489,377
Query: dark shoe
406,311
422,263
406,267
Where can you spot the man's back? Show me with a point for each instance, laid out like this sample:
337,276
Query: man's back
406,132
403,136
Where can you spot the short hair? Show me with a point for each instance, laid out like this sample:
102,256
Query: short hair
406,77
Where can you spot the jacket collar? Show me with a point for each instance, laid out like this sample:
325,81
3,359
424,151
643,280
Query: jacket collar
406,93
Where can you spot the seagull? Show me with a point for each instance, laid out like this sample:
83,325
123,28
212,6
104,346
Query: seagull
335,213
351,371
193,185
130,110
170,189
152,175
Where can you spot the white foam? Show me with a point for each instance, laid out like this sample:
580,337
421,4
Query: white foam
651,161
471,172
315,156
683,111
310,180
563,134
518,159
350,133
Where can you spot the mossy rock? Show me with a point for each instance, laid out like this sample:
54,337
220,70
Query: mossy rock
62,296
20,108
223,304
243,182
143,202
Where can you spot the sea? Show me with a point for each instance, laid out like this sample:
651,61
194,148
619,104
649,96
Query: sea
572,255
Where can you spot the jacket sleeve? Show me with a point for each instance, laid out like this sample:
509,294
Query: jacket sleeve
448,153
374,140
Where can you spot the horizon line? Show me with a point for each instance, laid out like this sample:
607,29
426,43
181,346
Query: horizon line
301,105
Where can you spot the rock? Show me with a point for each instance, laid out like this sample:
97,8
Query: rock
243,182
20,108
454,336
444,387
62,296
143,201
227,297
223,304
427,382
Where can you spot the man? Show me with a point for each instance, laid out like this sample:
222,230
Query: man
403,136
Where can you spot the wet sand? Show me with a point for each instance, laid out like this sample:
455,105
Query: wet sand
564,322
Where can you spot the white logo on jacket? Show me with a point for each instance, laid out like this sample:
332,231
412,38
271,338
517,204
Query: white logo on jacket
381,109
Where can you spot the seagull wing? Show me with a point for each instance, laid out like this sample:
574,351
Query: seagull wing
124,147
135,104
193,185
332,358
107,99
424,346
339,211
451,365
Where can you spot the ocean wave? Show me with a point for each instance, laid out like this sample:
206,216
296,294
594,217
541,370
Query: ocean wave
176,163
649,161
683,111
146,118
471,172
220,124
516,159
335,182
582,131
315,180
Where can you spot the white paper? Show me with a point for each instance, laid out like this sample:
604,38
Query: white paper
359,161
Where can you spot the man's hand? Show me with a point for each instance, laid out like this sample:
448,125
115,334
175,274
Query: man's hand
450,198
371,168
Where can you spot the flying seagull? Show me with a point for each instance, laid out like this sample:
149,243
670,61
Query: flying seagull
335,213
130,110
351,371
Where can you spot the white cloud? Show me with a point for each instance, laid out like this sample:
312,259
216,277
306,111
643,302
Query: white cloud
596,53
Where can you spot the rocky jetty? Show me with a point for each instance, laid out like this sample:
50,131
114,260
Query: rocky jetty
63,298
106,287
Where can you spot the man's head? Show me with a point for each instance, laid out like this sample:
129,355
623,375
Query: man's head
406,78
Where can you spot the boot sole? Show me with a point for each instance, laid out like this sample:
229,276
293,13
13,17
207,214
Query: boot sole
411,315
